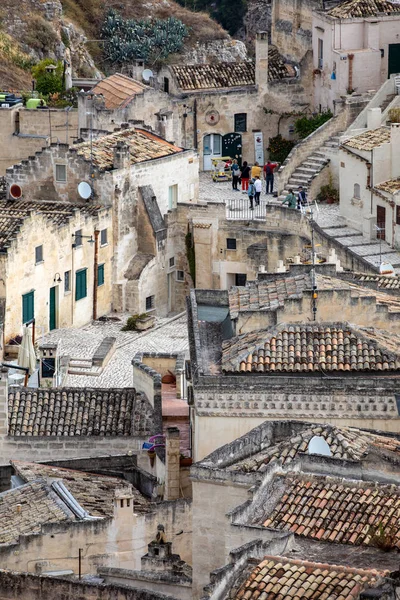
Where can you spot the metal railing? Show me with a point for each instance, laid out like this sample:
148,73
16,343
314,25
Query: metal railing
238,209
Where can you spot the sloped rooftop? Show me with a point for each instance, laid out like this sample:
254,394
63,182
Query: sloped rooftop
95,493
350,9
78,412
143,146
25,509
312,347
229,75
369,139
276,577
392,186
333,510
117,90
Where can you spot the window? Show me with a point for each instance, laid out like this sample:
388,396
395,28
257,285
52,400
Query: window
166,85
61,173
81,284
172,262
172,196
320,53
240,278
231,243
240,122
100,275
180,276
67,281
28,306
103,237
78,238
397,215
38,254
356,190
150,303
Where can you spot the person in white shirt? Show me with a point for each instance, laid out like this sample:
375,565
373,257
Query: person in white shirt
258,188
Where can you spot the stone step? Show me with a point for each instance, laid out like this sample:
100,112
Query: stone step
93,372
306,170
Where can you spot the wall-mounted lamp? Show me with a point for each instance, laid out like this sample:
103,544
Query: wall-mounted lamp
57,279
89,238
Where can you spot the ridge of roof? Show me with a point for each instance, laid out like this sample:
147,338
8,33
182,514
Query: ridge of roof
363,8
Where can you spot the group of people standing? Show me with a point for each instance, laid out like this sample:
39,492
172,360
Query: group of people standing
250,179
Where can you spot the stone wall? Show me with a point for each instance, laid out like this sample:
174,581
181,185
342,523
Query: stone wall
292,26
148,381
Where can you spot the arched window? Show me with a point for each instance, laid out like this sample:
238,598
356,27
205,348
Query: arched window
356,190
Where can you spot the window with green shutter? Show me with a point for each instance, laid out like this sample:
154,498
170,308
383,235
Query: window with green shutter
100,275
81,284
28,307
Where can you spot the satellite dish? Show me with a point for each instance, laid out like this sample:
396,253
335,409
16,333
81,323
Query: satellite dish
147,73
84,190
320,446
15,191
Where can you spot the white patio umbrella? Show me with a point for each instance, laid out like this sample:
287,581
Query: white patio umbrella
26,352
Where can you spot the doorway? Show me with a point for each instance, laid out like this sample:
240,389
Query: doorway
232,146
53,308
212,146
394,59
380,222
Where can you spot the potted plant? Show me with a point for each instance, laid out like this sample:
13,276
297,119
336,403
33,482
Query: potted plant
328,193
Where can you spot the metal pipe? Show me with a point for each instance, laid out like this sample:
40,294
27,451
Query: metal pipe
80,563
350,82
196,143
95,274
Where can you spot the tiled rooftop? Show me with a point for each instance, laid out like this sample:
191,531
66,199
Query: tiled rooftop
384,282
226,75
344,443
143,146
308,347
333,510
25,509
95,493
392,186
363,8
13,213
369,139
78,412
279,578
118,90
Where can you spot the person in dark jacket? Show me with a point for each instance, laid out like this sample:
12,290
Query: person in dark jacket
235,174
245,176
269,169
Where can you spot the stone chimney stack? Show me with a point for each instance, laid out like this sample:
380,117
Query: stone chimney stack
122,156
172,466
395,149
262,60
374,118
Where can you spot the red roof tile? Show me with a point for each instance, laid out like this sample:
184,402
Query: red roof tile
118,89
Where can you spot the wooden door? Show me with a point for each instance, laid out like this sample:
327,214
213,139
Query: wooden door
380,222
394,59
52,309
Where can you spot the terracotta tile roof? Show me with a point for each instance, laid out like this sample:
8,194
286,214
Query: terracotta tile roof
279,578
307,347
13,213
363,8
143,146
344,442
384,281
392,186
25,509
78,412
333,510
95,493
227,75
118,90
369,139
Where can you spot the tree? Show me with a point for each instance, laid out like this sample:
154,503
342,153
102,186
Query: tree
48,82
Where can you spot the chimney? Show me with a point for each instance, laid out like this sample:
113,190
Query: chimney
122,156
172,466
394,149
374,118
123,505
262,60
3,401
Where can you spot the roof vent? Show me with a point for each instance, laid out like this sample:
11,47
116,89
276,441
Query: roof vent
318,445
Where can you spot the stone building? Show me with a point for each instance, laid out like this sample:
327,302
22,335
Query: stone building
355,48
299,493
136,173
256,354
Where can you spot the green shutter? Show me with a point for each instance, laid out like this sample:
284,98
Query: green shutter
81,284
28,307
100,275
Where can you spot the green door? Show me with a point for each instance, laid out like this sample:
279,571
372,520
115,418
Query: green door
52,309
394,59
28,307
232,146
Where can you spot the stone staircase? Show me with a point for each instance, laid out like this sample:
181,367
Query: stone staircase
310,167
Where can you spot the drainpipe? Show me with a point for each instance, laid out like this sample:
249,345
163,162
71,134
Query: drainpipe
196,145
95,274
350,83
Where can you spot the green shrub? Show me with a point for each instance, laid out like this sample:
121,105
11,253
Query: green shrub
279,148
40,35
132,321
48,83
147,39
328,193
306,125
394,115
